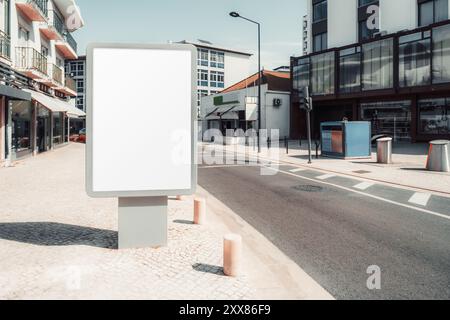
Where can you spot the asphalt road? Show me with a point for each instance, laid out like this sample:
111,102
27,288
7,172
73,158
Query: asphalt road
335,232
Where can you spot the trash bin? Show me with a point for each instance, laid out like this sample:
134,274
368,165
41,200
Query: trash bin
384,150
439,156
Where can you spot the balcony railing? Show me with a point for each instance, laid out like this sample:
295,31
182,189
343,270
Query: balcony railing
57,73
56,22
70,83
71,41
31,59
42,5
5,45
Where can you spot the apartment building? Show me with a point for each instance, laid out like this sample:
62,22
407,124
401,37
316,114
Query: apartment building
35,42
76,69
305,35
218,68
382,61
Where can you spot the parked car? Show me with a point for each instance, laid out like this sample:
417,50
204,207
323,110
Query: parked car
82,136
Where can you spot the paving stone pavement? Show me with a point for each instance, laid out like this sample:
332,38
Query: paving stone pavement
57,243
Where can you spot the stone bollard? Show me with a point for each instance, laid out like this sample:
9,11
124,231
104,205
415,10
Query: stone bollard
232,255
199,211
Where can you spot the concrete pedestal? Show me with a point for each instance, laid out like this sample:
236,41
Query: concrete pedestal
143,222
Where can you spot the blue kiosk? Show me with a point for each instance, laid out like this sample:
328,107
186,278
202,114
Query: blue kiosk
346,140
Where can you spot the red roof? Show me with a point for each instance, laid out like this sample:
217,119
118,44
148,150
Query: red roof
277,81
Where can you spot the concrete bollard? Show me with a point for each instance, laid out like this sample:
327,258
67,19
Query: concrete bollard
199,211
232,255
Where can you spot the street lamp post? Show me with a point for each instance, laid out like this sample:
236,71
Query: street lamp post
237,15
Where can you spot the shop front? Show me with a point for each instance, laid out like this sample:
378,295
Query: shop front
43,132
21,124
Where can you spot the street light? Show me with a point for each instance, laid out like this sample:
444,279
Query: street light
237,15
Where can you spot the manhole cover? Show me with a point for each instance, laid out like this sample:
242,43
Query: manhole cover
308,188
362,172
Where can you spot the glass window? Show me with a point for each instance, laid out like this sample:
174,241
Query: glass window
200,95
434,116
392,118
378,65
320,42
202,57
441,54
21,126
80,85
203,78
414,60
365,32
433,11
322,73
301,73
320,11
221,60
217,79
58,128
366,2
350,70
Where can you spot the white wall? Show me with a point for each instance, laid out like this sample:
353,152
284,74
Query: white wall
277,117
237,67
398,15
343,22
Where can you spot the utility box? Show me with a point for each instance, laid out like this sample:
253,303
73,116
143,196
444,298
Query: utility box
346,140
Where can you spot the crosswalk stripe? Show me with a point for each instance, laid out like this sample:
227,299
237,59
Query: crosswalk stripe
297,170
327,176
420,199
364,185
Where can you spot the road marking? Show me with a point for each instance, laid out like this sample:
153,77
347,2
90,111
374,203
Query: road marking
420,199
297,170
364,186
326,176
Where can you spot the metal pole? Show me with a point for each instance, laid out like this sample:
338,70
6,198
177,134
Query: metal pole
259,87
308,119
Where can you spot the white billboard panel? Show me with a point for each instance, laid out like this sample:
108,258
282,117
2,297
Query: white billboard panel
141,120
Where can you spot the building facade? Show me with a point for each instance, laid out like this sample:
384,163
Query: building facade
35,42
218,68
76,69
237,106
387,62
305,35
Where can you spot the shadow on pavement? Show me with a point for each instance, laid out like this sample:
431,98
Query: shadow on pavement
206,268
57,234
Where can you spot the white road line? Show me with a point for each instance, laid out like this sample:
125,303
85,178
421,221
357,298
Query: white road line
297,170
420,199
364,185
436,214
326,176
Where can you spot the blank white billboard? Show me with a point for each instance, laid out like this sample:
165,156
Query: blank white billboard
141,120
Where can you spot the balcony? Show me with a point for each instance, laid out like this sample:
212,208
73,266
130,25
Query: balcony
32,63
67,46
54,29
35,10
69,88
5,46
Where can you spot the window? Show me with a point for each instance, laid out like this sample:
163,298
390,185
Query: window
202,57
322,73
217,59
320,11
76,68
203,78
200,95
80,85
80,103
21,126
363,3
58,127
432,11
44,51
320,42
301,73
350,70
434,116
378,66
217,79
392,118
441,54
415,59
24,35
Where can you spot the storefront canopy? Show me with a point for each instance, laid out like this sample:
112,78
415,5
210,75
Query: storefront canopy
14,93
56,105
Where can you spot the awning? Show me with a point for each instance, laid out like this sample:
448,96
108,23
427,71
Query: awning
56,105
13,93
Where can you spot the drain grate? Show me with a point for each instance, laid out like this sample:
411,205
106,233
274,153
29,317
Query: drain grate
308,188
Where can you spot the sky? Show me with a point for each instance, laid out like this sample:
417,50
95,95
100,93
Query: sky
160,21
